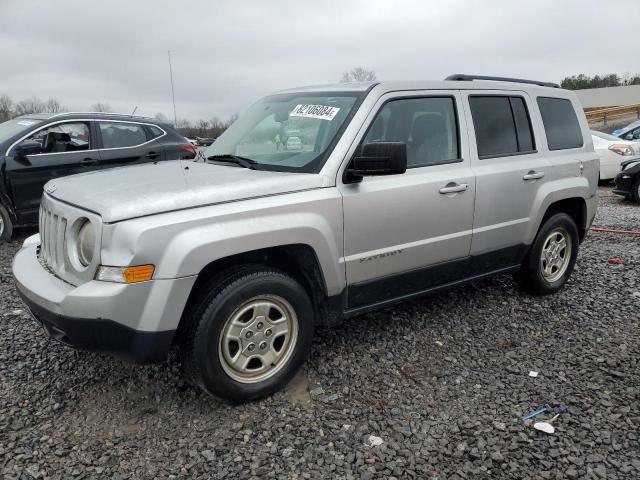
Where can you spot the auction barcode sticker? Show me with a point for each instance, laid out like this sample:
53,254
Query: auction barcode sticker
320,112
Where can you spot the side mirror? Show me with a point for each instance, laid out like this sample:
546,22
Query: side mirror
378,158
28,147
629,136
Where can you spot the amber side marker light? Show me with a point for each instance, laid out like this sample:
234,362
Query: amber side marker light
139,273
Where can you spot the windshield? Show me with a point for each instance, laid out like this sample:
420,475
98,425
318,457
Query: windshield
11,128
288,132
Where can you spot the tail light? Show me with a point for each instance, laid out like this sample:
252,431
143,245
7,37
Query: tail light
187,147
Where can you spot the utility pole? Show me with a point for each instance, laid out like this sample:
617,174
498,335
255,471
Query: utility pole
173,94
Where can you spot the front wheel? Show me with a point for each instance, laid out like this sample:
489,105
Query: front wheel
248,334
552,256
636,191
6,226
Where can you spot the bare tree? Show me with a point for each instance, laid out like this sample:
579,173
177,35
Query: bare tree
54,106
202,126
6,108
161,117
183,123
185,127
30,105
232,120
100,107
358,74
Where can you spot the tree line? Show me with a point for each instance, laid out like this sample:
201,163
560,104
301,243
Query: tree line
212,128
200,128
582,81
10,109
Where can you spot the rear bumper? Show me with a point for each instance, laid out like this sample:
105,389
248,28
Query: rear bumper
136,322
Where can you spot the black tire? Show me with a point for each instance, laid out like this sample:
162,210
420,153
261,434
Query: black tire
201,347
530,277
6,226
636,191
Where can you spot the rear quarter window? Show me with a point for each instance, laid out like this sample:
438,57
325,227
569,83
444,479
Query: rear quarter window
560,123
155,131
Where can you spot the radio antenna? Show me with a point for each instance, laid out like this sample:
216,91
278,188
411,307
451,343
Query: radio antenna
173,94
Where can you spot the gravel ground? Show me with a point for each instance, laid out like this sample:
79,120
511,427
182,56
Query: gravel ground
443,382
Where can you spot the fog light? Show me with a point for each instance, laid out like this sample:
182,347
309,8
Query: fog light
140,273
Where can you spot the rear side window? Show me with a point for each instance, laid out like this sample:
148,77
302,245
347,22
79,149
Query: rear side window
119,135
523,125
502,125
155,131
560,123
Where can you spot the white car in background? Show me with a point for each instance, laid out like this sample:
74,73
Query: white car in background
612,152
294,143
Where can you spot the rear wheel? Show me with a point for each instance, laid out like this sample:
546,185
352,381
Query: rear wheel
6,226
552,256
248,334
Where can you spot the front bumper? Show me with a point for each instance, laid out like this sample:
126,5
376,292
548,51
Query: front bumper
136,322
624,184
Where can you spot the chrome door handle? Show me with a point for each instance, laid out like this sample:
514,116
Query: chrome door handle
453,187
533,175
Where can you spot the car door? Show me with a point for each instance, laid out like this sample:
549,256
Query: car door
64,148
126,143
509,171
408,233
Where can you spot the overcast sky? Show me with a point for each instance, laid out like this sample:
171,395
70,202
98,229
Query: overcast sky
226,54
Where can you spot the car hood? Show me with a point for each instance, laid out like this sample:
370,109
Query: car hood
128,192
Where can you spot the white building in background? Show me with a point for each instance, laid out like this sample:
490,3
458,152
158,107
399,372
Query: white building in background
609,96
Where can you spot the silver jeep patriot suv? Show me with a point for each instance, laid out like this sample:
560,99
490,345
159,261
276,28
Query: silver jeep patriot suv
393,190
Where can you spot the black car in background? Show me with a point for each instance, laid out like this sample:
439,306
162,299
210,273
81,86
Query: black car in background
204,142
37,148
628,180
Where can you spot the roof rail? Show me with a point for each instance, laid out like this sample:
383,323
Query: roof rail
463,77
62,114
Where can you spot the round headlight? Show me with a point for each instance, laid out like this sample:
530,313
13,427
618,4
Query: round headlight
86,243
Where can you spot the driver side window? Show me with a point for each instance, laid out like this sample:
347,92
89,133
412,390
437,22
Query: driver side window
428,126
64,137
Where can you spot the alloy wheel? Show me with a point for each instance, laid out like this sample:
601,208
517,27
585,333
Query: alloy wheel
258,339
555,255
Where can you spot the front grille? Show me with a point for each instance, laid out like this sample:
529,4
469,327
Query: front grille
53,230
57,223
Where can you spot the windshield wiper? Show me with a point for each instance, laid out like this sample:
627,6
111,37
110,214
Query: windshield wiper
229,158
